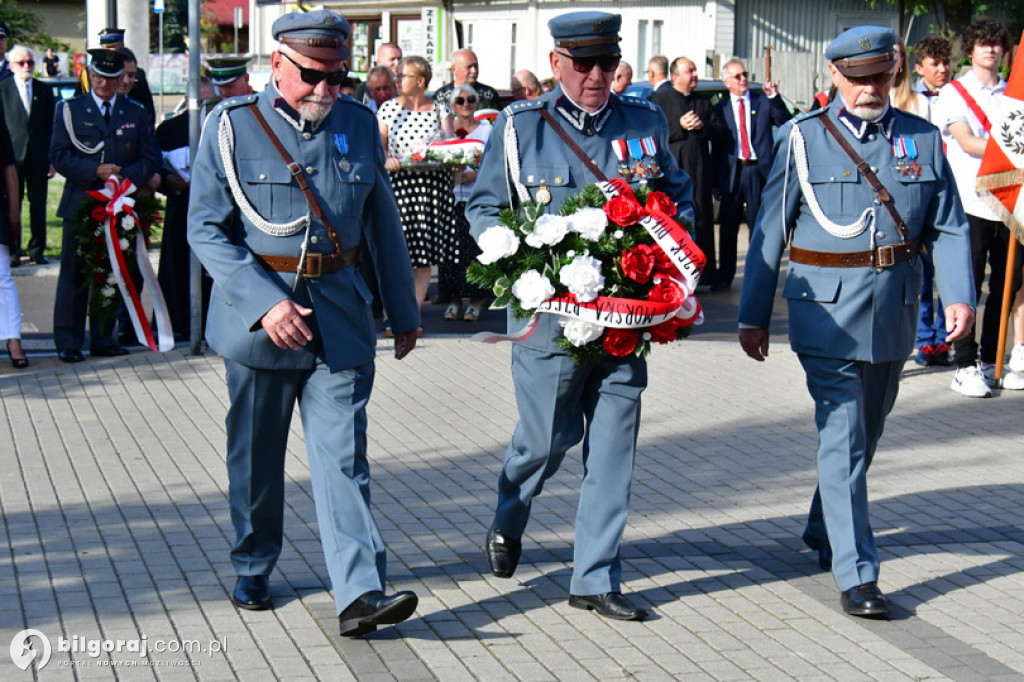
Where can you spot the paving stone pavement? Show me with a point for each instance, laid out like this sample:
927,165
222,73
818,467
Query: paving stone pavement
115,527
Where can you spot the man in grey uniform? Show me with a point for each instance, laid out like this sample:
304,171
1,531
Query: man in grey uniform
290,312
561,403
855,230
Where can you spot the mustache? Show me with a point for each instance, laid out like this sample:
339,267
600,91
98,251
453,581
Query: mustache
868,99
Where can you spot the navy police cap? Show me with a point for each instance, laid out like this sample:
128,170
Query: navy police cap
587,34
107,63
111,37
321,34
863,51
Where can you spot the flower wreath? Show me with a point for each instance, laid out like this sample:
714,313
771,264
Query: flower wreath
613,264
112,233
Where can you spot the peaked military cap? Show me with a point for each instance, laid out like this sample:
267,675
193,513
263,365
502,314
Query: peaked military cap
587,34
110,37
108,63
321,34
3,30
863,51
224,70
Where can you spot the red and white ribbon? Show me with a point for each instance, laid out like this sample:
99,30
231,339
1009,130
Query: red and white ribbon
119,204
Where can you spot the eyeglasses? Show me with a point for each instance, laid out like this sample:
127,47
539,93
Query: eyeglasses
459,101
877,79
742,76
314,76
607,63
25,62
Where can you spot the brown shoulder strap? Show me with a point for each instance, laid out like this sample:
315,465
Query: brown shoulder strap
299,175
869,175
573,146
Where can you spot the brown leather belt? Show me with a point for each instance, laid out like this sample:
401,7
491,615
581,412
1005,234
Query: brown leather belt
316,263
880,257
747,162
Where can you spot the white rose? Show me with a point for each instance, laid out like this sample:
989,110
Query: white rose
123,243
548,231
496,243
532,289
589,222
108,291
583,277
128,222
580,332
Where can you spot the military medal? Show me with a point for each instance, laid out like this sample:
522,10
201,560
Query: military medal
619,149
904,148
341,142
543,195
650,148
636,155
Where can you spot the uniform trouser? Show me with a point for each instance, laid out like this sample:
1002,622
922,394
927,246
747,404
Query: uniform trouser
560,404
71,302
333,411
34,184
851,402
736,207
990,241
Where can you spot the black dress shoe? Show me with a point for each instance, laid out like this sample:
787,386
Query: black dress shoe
823,548
502,553
108,351
39,260
865,600
252,592
609,605
70,356
362,616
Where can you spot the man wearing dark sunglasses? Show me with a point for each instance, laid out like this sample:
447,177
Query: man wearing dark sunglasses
289,311
856,189
561,403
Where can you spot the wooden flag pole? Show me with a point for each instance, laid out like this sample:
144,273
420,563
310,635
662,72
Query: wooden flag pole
1004,314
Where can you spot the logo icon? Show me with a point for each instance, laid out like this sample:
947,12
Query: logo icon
23,653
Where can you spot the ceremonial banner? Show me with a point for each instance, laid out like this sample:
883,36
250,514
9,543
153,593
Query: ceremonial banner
1002,167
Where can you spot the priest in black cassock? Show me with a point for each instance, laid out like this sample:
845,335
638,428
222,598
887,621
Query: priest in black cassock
693,126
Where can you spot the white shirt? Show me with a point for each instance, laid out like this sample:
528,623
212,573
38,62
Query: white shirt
951,108
736,117
25,89
99,102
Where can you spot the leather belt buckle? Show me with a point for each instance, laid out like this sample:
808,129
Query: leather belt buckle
885,256
314,265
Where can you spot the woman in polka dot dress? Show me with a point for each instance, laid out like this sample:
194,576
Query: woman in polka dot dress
407,124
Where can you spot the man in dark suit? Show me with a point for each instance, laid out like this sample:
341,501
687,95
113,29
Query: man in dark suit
743,159
5,67
28,110
693,126
96,135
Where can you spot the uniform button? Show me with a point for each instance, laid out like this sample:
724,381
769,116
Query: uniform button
310,170
803,295
357,178
263,176
307,136
879,235
589,133
313,239
558,181
832,179
871,137
878,202
874,169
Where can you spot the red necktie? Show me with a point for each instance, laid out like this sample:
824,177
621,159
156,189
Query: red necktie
744,142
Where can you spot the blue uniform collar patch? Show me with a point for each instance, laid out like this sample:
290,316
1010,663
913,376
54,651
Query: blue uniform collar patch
583,121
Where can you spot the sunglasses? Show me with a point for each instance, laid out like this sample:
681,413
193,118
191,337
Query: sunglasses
26,62
607,63
459,101
313,76
876,79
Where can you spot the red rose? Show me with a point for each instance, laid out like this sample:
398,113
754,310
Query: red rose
99,213
638,263
623,211
662,263
666,332
99,278
461,133
659,201
620,342
667,292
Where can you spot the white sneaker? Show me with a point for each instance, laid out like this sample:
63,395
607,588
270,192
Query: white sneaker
1017,359
1011,381
969,381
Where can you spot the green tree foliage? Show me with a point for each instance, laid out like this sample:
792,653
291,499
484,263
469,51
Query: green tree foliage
24,26
953,16
175,27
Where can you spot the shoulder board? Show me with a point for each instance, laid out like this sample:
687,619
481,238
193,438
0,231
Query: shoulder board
231,103
631,101
809,114
524,105
133,101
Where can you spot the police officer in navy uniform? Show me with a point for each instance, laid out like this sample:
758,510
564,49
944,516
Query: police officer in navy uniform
290,312
96,135
853,282
559,402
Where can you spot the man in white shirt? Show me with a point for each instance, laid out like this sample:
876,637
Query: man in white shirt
964,110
